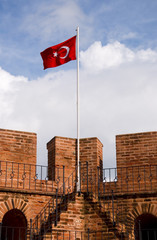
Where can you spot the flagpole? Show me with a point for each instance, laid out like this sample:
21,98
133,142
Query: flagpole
78,115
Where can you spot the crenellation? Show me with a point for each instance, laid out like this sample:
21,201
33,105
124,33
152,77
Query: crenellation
111,205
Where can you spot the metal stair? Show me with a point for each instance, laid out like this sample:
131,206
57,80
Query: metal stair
49,216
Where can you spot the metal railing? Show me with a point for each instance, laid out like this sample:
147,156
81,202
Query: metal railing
50,214
123,180
103,184
110,184
100,184
96,181
19,233
30,177
133,179
14,233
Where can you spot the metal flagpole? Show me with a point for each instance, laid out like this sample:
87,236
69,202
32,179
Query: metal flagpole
78,116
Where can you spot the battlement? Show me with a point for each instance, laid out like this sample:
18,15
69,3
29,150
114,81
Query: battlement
63,152
136,149
17,146
43,202
131,149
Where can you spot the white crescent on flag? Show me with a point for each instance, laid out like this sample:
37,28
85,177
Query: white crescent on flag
67,49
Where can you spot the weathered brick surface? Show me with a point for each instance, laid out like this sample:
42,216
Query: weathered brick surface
82,214
29,204
136,149
91,152
17,146
126,198
63,152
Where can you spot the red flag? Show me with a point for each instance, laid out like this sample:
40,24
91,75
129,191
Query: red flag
59,54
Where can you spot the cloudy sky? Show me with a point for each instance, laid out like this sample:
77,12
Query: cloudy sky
118,69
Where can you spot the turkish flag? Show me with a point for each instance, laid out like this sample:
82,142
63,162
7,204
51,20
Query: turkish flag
59,54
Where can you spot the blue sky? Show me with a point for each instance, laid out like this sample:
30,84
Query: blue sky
118,59
27,27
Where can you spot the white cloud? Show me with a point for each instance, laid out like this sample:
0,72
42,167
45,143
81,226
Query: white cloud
9,86
129,35
147,55
50,21
98,57
117,91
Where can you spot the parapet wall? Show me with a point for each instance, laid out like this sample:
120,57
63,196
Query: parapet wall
137,149
63,152
122,200
17,146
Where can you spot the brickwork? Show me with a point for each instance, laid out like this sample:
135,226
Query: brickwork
111,207
136,149
29,204
91,151
17,146
126,210
82,214
63,152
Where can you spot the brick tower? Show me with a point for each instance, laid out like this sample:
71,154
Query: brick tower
41,202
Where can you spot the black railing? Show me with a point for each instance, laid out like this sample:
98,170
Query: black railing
30,177
123,180
14,233
50,214
133,179
96,181
19,233
103,184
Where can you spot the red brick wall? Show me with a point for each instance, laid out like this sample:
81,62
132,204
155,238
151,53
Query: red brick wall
136,149
91,151
63,151
85,212
51,159
17,146
82,214
29,204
